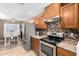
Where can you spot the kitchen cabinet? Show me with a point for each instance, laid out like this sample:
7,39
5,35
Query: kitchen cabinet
36,45
40,24
63,4
63,52
69,16
52,10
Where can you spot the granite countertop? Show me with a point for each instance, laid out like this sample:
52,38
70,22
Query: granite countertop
40,37
68,44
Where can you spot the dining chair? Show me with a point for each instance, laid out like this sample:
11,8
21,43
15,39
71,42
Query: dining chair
12,39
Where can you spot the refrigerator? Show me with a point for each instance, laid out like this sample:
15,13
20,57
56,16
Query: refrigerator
29,30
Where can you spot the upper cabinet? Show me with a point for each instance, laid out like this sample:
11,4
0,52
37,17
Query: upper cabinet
52,10
39,22
69,16
68,13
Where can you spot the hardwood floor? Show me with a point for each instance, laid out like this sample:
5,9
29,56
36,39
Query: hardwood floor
17,51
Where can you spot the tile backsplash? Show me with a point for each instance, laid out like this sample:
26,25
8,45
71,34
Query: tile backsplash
68,33
55,27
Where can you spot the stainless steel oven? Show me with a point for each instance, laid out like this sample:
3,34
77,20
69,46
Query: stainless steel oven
47,49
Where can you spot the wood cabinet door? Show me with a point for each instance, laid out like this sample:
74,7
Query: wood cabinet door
35,45
37,23
63,52
69,16
40,24
52,10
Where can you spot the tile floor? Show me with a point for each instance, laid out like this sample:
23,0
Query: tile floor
17,51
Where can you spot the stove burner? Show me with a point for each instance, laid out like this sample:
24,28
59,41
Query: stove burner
53,42
48,41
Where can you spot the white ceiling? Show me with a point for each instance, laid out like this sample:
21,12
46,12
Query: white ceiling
20,11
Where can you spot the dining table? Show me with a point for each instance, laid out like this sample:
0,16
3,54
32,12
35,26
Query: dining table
10,37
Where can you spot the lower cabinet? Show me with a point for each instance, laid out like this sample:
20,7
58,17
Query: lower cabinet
63,52
35,45
60,51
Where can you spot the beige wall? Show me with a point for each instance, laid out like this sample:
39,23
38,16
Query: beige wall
1,29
